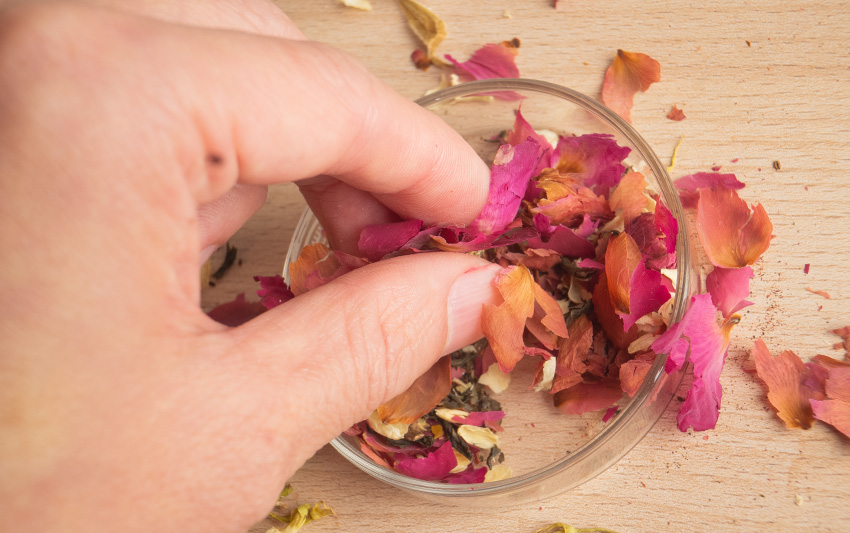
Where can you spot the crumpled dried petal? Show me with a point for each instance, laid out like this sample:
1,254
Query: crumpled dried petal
566,242
424,394
595,159
521,131
587,397
629,73
430,29
494,60
633,373
630,196
676,114
503,325
690,185
650,232
785,376
572,350
301,516
836,409
844,333
608,318
621,259
273,291
239,311
729,288
512,170
436,465
480,437
572,209
731,234
648,292
378,240
708,344
314,265
468,476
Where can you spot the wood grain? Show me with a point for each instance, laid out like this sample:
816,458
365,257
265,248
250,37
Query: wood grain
760,81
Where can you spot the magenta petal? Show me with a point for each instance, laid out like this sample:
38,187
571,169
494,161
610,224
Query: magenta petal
648,293
609,413
729,288
541,224
274,291
521,131
512,170
378,240
477,418
652,242
689,185
492,60
702,406
435,465
587,227
666,222
566,242
237,312
698,325
600,156
468,476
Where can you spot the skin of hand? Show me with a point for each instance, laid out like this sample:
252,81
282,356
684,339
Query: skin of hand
135,137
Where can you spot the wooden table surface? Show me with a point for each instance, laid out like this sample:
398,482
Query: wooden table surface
760,81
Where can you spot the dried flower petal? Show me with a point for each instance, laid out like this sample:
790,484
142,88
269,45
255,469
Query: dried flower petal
498,473
430,29
621,259
571,354
494,378
238,311
676,114
731,234
422,396
844,333
378,240
436,465
468,476
494,60
629,73
708,347
834,413
629,196
586,397
301,516
316,261
785,376
363,5
565,242
479,437
595,159
729,288
512,170
571,209
273,291
690,185
648,292
633,373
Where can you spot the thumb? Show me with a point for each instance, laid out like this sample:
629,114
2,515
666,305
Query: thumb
348,346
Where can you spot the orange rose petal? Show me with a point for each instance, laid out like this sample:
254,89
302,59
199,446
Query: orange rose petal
422,396
611,323
552,316
586,397
621,259
785,376
313,258
571,353
823,294
732,235
633,373
836,409
629,196
844,333
503,325
676,114
629,73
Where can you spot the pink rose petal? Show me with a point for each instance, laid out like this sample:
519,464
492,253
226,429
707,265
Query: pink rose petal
477,418
237,312
274,291
689,185
648,293
378,240
595,157
436,465
566,242
729,288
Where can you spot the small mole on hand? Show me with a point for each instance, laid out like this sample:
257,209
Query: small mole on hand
215,159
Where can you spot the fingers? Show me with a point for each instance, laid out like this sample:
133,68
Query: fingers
252,16
362,339
220,219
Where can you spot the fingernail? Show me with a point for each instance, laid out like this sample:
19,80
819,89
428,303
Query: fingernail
469,292
207,252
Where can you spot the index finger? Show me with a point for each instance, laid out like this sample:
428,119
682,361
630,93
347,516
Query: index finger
273,110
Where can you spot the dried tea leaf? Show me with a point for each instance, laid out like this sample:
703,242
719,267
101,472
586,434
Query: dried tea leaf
430,29
621,259
301,516
785,376
422,396
629,73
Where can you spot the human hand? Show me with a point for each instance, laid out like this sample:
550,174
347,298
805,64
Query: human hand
135,138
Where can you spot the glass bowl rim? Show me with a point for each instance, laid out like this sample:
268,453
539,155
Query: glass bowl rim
651,383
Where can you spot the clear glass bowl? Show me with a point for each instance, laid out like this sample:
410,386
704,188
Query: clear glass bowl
548,452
